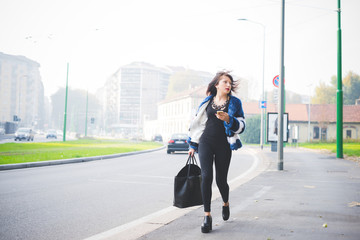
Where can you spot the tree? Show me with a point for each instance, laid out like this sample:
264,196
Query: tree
252,131
325,94
351,88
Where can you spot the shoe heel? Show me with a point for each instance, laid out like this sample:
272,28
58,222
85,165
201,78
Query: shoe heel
206,227
226,212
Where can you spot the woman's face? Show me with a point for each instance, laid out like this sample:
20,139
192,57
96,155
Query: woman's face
224,85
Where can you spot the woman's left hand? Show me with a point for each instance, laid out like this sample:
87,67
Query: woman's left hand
223,116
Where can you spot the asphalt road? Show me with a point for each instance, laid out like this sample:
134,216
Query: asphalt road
76,201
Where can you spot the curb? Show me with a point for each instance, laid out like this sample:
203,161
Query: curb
72,160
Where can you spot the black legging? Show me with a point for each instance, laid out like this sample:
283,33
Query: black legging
221,153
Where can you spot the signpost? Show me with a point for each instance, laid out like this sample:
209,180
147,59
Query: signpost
281,103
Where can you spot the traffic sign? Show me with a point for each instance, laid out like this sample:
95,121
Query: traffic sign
263,104
276,81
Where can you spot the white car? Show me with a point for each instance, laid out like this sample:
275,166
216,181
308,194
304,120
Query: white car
24,134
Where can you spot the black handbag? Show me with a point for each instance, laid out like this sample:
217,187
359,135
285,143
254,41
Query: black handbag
187,185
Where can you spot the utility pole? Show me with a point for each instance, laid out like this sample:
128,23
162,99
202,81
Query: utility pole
66,96
86,121
280,142
339,93
262,98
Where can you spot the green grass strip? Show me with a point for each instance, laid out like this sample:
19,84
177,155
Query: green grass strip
351,149
35,152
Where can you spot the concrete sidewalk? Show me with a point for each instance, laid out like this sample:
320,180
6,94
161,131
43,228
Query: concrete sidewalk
316,196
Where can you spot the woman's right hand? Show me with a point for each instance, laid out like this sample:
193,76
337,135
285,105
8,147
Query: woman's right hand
191,152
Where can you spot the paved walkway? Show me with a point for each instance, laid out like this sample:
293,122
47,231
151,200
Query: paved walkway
316,196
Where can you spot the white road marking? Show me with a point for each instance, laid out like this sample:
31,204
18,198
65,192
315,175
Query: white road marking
128,182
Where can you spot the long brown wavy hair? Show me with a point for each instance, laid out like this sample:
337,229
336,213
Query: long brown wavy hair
211,90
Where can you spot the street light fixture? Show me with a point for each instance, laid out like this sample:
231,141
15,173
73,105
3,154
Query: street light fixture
262,98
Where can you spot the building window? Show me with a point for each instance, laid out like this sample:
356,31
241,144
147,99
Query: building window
316,132
348,133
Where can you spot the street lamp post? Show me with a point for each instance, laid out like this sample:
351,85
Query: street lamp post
262,98
18,114
281,104
66,97
86,118
309,112
339,93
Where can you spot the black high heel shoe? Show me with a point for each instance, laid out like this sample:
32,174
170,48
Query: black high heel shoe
207,224
226,212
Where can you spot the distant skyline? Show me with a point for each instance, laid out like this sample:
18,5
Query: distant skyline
97,37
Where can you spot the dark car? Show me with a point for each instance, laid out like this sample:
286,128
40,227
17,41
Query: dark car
51,134
178,142
157,138
24,134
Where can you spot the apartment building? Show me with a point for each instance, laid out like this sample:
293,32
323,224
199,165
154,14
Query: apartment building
21,91
131,95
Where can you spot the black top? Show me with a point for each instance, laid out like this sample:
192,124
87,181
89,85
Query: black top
214,128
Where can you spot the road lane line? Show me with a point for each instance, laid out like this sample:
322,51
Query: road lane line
144,176
128,182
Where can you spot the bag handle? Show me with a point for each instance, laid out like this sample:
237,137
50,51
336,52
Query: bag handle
191,160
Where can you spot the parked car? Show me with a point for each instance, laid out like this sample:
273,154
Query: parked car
178,142
51,134
24,134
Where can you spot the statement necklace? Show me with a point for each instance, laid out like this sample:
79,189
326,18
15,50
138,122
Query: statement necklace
221,107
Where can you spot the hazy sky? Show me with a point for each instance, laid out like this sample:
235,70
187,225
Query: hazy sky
97,37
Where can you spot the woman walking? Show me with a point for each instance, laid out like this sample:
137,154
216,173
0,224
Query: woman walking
213,133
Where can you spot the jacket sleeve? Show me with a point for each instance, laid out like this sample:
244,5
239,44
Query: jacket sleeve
236,124
237,121
193,145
